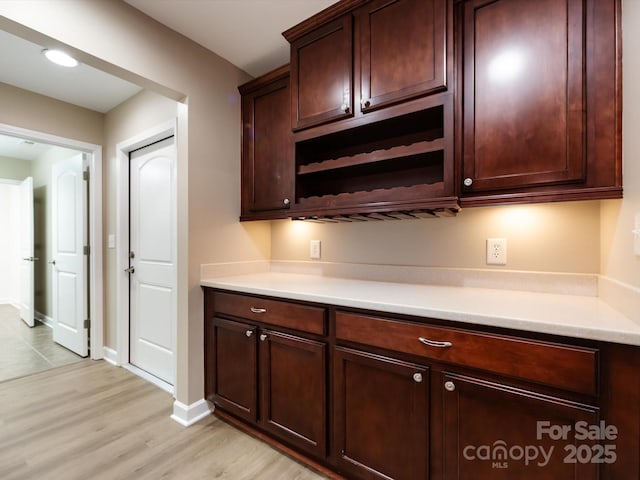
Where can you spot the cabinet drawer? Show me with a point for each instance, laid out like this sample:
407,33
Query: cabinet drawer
274,312
563,366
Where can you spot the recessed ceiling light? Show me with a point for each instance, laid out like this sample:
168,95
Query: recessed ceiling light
60,58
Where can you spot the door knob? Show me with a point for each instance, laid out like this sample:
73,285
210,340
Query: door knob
130,270
51,262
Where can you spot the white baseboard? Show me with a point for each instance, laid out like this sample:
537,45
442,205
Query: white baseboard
110,355
187,415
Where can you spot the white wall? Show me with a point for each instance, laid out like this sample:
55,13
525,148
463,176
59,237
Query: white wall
9,243
118,38
619,266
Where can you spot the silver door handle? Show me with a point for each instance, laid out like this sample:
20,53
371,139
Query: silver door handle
258,310
51,262
30,259
434,343
130,270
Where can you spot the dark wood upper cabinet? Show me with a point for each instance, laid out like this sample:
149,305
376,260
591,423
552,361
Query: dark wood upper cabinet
537,80
267,146
321,74
358,56
404,108
523,93
402,50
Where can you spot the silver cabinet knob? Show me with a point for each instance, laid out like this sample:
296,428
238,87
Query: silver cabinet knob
417,377
345,108
286,201
449,386
248,333
468,182
366,103
263,337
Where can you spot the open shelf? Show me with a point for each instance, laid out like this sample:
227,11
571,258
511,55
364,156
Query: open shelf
402,159
372,157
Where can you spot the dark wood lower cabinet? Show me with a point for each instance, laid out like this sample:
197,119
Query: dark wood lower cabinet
293,390
234,386
499,432
381,420
349,392
271,379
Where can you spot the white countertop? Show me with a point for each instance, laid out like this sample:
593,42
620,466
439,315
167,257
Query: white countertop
569,315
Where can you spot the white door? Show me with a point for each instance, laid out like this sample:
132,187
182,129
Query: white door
152,286
26,251
69,262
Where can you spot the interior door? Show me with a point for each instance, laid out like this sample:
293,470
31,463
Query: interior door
26,251
69,237
152,268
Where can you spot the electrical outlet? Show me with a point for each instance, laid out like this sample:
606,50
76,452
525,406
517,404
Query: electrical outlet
496,251
314,249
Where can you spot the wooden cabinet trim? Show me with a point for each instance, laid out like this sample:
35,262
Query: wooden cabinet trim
563,366
304,318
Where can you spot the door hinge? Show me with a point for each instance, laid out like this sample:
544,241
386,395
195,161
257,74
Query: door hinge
86,250
87,323
85,174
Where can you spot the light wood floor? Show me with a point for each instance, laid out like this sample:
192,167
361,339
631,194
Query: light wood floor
90,420
25,350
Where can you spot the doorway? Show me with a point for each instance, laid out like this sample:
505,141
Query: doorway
147,254
90,313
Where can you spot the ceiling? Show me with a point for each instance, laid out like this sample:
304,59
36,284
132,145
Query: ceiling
247,33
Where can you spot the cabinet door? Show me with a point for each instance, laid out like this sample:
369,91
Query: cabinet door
381,416
235,368
403,50
267,148
293,390
523,99
321,74
490,430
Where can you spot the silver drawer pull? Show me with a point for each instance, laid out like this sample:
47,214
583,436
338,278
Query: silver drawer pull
258,310
434,343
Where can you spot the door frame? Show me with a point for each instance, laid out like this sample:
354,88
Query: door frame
96,290
123,149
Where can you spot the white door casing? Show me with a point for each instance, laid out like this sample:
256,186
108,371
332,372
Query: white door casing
152,237
69,237
26,252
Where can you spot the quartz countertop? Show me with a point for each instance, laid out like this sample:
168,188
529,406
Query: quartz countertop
569,315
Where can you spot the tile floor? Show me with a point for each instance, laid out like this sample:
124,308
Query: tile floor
25,350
